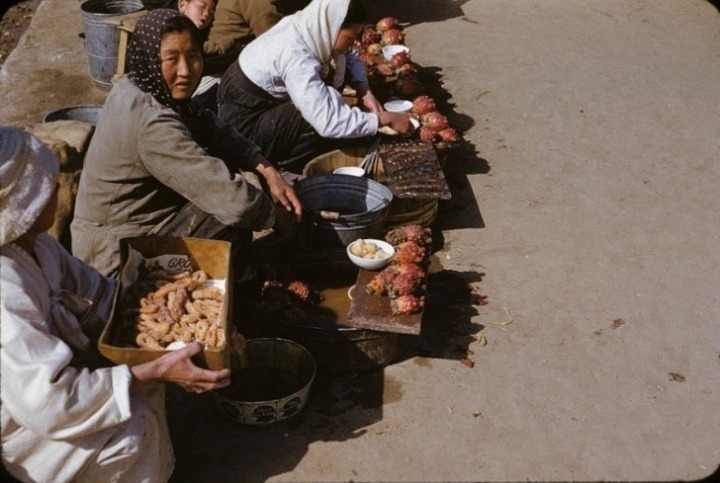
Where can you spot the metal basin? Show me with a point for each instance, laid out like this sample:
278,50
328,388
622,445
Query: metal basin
360,206
271,380
87,114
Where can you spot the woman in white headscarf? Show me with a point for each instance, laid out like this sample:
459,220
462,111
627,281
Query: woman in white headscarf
66,415
283,92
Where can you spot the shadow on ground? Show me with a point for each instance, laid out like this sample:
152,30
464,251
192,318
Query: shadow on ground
459,161
715,3
463,159
420,11
210,447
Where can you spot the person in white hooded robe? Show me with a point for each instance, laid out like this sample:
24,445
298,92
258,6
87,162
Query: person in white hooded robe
283,92
67,415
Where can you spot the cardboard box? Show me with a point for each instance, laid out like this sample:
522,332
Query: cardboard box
211,256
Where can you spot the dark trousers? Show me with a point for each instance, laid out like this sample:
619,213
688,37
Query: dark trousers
286,139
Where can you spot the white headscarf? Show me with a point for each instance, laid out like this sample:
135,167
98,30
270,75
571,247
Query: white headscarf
28,175
319,24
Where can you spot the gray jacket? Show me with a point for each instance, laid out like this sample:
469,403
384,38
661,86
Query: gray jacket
144,163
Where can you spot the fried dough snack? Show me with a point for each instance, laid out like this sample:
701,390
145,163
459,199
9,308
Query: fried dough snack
163,307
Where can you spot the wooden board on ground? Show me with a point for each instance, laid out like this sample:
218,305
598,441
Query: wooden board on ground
373,311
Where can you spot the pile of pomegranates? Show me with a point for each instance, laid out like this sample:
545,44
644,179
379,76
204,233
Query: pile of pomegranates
401,71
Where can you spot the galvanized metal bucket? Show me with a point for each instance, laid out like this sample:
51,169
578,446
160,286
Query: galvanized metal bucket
102,37
339,209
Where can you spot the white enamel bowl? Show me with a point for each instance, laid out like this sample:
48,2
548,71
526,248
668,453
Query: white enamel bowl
390,50
351,170
372,263
398,105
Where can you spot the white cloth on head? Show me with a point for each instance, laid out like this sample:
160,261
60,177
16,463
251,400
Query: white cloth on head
28,176
319,24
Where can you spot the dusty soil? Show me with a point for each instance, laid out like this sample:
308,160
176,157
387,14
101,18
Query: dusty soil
15,17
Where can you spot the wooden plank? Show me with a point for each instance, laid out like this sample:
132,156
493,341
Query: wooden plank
336,278
373,311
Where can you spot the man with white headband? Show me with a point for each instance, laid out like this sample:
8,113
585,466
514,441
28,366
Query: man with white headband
66,414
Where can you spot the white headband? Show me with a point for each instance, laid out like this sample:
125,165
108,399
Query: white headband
28,176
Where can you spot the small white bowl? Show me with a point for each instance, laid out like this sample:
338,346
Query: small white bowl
371,263
350,170
390,50
398,105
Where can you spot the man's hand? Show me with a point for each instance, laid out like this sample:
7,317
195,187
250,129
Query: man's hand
177,367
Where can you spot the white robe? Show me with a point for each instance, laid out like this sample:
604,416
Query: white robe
62,419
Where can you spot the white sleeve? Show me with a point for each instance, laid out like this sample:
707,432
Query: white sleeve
85,281
323,106
40,388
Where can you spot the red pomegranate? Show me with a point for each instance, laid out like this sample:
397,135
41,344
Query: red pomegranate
386,23
400,59
423,105
374,49
392,37
449,135
406,71
427,134
370,37
435,121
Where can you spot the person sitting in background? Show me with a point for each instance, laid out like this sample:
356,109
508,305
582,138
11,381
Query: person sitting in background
277,93
66,415
227,27
202,13
237,23
160,165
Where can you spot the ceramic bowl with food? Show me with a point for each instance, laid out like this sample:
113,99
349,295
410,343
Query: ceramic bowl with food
350,170
369,253
390,50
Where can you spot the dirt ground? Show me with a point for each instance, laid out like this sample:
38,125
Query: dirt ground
14,20
585,220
